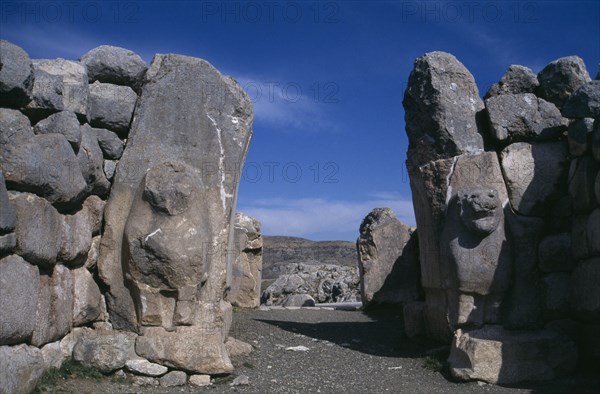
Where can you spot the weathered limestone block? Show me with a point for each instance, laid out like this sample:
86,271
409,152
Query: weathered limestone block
556,289
494,355
523,117
111,106
7,215
54,316
197,349
199,132
87,299
21,367
580,133
523,305
585,292
91,162
517,79
596,140
42,164
559,79
64,123
46,95
38,229
8,240
584,102
593,232
19,283
414,319
75,90
582,178
388,260
145,367
555,253
116,65
16,77
104,350
441,104
534,174
110,143
244,288
75,237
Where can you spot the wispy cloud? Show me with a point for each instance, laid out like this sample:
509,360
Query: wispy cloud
291,105
320,218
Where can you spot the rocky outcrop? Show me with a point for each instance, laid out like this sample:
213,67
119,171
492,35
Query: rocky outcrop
388,260
280,251
245,281
505,240
323,283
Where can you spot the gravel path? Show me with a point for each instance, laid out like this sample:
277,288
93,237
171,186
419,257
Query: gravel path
348,352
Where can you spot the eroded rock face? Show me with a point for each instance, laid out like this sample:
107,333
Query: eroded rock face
20,368
387,260
517,79
104,350
168,220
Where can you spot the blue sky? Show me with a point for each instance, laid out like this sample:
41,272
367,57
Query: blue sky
326,78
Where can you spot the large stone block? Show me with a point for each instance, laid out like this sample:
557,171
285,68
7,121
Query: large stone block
75,237
87,299
114,65
196,349
441,104
244,277
104,350
16,77
533,174
555,253
523,117
523,305
198,133
580,133
38,229
75,90
43,164
54,316
585,292
7,215
111,106
91,162
21,367
388,260
584,102
582,179
46,95
19,283
494,355
517,79
559,79
557,290
64,123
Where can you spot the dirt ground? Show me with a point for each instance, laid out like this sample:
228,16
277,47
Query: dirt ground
347,352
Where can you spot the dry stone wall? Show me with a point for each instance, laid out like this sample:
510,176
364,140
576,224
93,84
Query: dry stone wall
118,184
505,192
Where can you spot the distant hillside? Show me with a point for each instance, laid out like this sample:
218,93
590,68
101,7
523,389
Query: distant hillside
279,251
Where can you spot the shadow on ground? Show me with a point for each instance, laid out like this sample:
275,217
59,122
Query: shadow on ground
383,335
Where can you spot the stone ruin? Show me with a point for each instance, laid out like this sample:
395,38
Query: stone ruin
118,186
506,193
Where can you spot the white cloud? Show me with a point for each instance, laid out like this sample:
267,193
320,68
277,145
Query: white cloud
318,217
291,105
